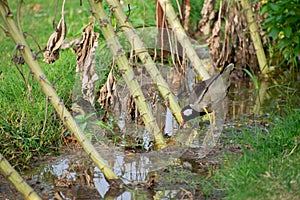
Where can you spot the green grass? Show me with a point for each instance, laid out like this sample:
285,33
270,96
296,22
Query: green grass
269,169
29,126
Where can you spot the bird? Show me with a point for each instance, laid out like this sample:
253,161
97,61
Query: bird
207,94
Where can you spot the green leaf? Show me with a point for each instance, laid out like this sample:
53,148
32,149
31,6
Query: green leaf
264,10
79,118
89,116
296,39
254,79
297,50
83,126
287,31
126,9
274,7
137,21
274,32
283,43
286,54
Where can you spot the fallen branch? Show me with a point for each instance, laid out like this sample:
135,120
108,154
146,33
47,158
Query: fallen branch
13,176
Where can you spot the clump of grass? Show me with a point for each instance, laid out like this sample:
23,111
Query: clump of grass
29,126
269,169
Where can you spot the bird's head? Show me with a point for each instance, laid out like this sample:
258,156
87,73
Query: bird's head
188,113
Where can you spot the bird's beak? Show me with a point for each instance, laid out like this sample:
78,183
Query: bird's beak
181,125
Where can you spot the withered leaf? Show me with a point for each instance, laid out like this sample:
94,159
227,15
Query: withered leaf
108,92
55,41
85,61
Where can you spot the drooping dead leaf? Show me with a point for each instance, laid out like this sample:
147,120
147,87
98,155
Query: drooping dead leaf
231,43
208,14
108,92
85,62
55,41
186,11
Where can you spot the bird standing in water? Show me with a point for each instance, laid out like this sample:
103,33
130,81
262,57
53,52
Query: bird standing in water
208,95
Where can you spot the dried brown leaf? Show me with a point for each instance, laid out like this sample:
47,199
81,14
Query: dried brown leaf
108,93
85,62
55,41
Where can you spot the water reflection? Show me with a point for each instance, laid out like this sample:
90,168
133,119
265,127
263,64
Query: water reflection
75,177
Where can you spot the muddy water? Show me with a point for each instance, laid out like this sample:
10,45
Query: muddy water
73,176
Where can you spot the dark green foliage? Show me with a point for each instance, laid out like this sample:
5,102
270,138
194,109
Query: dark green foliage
282,24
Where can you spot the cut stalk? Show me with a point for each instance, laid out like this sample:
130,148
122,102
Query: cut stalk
13,176
127,72
261,57
140,50
175,25
51,94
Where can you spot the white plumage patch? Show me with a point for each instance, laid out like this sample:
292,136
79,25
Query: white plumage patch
188,112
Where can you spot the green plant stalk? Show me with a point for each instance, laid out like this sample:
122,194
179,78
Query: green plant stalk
261,57
127,72
139,48
175,25
253,78
13,176
261,96
51,94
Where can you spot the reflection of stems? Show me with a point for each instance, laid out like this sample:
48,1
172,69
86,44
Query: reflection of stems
261,94
209,140
112,193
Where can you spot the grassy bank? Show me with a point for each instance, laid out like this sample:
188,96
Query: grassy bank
29,127
268,167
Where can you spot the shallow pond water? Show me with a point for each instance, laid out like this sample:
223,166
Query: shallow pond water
148,174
